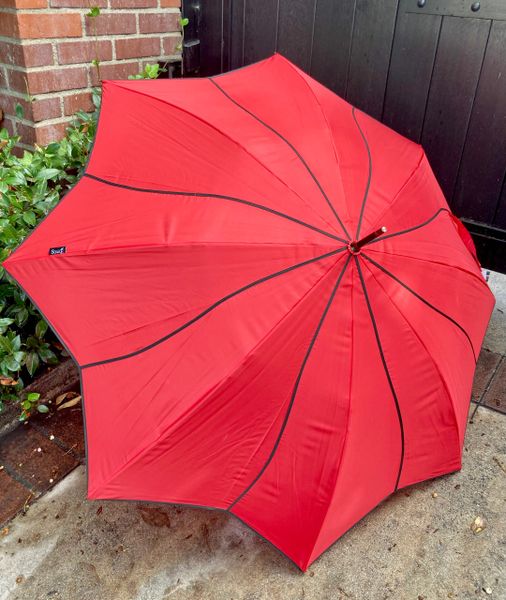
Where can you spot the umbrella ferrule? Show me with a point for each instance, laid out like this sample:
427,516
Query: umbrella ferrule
355,247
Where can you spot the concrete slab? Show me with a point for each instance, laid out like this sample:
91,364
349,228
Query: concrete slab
495,340
417,545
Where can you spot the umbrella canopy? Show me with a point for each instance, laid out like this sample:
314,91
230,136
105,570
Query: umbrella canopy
269,300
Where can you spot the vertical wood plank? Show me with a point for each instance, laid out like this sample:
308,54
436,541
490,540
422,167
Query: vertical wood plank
211,37
455,78
295,31
483,163
409,77
236,33
500,214
370,54
332,43
260,32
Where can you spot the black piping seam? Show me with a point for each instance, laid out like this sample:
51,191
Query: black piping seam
218,196
369,157
385,367
295,388
403,231
426,302
212,307
292,147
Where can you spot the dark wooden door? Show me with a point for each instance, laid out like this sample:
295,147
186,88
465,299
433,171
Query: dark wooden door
434,70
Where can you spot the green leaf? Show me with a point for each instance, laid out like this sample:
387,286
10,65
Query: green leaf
93,12
42,408
53,148
16,343
18,356
26,405
45,174
21,316
11,364
29,218
33,396
184,21
41,328
32,363
47,355
20,113
4,323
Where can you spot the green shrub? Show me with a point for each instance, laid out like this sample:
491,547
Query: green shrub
30,186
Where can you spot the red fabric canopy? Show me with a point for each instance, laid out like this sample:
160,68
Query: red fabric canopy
238,348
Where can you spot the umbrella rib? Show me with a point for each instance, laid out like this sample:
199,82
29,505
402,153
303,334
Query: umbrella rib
212,307
296,387
291,146
218,196
426,302
368,185
385,367
410,229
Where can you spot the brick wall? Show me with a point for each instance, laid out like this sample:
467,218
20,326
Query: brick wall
46,49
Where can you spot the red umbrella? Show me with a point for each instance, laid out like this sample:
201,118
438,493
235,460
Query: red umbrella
269,301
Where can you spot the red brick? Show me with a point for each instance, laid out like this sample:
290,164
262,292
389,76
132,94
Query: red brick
158,22
42,135
9,25
37,110
45,108
31,3
13,496
45,134
118,71
38,55
137,47
171,45
33,25
32,55
9,125
75,102
170,3
487,364
495,397
8,105
19,449
66,426
85,51
23,3
11,54
52,80
27,133
134,4
110,24
77,3
17,81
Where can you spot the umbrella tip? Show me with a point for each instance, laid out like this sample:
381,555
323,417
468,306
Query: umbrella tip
355,247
